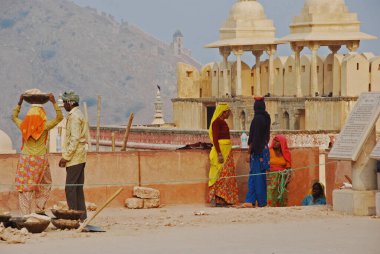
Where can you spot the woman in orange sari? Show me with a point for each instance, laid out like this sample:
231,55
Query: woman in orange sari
223,189
279,175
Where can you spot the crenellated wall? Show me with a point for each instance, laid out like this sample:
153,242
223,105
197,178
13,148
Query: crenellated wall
340,80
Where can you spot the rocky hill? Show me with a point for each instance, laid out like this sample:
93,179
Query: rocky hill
55,45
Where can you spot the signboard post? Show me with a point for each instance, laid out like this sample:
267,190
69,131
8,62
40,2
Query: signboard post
355,143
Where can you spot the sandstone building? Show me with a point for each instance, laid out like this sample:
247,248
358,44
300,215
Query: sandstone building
304,92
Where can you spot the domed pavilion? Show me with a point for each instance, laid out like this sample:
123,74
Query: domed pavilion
323,23
246,29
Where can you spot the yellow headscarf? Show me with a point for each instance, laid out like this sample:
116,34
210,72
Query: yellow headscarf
222,107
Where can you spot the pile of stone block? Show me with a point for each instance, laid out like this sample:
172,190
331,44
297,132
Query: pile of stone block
143,197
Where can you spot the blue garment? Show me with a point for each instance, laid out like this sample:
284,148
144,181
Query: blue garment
308,200
257,181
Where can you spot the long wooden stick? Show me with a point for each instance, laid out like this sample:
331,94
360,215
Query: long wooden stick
124,147
113,141
348,179
88,220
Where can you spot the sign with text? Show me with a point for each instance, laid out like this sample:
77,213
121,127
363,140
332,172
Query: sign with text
355,132
376,152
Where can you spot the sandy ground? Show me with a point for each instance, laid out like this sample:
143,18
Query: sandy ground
201,229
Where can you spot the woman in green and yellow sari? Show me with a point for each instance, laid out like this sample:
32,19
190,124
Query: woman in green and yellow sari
223,189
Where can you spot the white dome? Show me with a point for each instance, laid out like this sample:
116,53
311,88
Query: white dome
246,25
247,9
326,20
5,143
323,2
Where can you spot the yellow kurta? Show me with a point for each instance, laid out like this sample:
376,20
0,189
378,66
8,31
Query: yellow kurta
75,146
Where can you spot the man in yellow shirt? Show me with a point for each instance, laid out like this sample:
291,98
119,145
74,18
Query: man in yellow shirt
74,153
33,178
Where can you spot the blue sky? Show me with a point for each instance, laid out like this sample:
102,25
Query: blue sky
200,20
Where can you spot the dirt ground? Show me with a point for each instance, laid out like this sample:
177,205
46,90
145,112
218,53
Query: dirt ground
201,229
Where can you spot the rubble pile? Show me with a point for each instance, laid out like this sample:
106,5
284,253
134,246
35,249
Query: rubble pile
143,198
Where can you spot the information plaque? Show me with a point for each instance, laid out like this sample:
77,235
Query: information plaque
360,122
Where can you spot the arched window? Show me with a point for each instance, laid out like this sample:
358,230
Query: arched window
242,120
286,120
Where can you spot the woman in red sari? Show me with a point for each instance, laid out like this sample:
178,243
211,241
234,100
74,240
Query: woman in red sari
279,175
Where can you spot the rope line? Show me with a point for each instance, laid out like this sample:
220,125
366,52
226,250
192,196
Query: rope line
288,171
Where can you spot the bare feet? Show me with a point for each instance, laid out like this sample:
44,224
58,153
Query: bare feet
245,205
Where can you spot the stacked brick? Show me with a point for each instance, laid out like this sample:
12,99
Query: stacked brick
143,198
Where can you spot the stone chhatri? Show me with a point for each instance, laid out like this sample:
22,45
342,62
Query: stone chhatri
326,20
247,24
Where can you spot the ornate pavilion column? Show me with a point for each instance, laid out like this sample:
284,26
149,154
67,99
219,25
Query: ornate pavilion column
225,53
257,54
238,53
334,49
297,53
313,46
352,46
271,50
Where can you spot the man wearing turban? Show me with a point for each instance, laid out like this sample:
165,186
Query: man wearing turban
74,153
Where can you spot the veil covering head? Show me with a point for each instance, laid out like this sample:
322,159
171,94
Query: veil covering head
284,147
260,126
33,124
222,107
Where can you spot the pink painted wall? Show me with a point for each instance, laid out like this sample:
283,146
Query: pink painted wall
180,175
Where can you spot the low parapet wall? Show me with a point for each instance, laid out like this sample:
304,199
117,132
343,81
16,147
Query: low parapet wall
180,175
154,137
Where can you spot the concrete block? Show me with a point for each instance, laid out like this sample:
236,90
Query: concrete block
360,203
378,204
134,203
144,192
152,203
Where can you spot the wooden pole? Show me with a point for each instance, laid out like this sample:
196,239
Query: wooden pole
88,125
113,141
88,220
98,124
125,140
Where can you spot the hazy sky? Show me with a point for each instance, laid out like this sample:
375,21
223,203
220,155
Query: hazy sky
200,20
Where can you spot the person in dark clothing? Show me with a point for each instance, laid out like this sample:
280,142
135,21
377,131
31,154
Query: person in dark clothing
258,156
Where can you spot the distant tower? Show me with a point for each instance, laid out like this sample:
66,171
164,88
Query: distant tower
158,116
177,43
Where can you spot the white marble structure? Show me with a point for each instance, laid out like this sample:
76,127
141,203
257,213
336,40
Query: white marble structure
6,144
246,29
323,23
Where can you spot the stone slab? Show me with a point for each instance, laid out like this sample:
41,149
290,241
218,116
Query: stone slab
360,203
376,152
151,203
358,126
378,204
144,192
134,203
